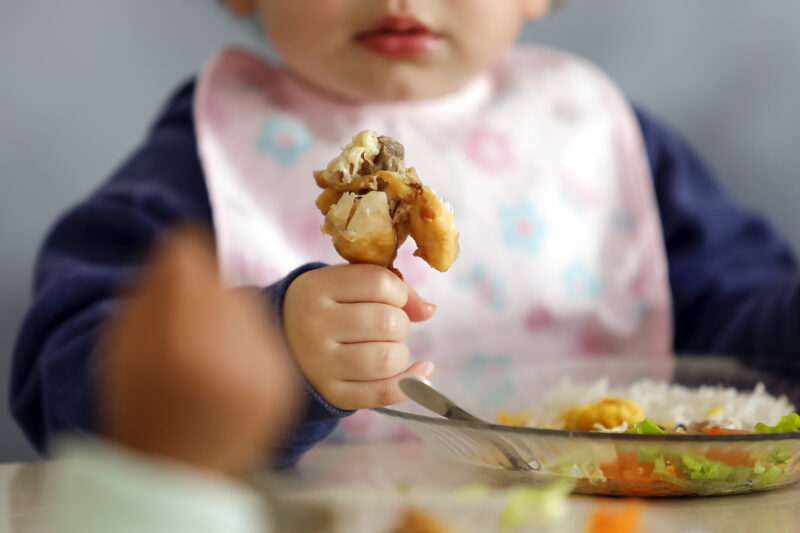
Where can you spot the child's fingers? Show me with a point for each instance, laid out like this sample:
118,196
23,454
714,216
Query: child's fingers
417,308
369,322
366,283
369,361
369,394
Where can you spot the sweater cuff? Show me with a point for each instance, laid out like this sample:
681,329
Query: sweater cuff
276,292
317,408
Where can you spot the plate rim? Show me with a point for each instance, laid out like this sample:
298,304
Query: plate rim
593,435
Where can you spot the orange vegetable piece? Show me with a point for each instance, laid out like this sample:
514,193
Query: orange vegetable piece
606,520
416,521
730,457
717,430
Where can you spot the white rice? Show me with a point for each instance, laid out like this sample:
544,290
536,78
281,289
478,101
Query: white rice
669,405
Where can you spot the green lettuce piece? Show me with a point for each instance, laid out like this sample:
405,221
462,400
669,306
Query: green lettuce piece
660,468
778,457
649,454
701,468
768,477
535,505
588,470
786,424
646,427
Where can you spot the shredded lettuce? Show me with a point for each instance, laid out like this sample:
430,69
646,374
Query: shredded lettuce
778,457
648,454
697,467
665,475
786,424
646,427
768,477
535,505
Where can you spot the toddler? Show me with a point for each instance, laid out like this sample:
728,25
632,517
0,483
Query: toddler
587,226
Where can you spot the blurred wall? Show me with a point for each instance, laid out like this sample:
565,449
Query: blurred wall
81,80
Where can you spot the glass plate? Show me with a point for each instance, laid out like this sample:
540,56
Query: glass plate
629,464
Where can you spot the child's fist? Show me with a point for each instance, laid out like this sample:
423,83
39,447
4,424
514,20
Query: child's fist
194,372
344,325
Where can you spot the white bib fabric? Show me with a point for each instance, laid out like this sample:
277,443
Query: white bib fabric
543,160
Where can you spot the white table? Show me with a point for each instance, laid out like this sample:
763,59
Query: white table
362,487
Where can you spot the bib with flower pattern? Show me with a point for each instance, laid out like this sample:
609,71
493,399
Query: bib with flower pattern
544,164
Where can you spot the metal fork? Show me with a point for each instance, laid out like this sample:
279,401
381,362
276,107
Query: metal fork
425,394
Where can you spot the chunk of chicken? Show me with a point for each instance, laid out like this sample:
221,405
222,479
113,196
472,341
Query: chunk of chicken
371,203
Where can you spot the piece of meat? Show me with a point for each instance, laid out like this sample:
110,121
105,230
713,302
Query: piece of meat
371,203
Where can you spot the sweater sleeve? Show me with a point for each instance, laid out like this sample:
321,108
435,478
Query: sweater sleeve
735,285
90,254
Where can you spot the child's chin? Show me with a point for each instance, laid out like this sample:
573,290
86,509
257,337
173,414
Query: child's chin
406,82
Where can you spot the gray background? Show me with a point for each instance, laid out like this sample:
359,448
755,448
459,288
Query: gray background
81,80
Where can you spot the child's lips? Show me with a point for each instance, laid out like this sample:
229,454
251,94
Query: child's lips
399,37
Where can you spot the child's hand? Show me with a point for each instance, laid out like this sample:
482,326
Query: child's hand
193,373
345,324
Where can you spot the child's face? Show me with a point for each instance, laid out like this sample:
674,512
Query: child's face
362,50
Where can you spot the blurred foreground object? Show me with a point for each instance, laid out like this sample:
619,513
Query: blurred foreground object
195,385
195,372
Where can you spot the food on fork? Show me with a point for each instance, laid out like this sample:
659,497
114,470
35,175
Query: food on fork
372,203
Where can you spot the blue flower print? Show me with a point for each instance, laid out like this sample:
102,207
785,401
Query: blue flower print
284,139
487,377
488,291
582,283
522,227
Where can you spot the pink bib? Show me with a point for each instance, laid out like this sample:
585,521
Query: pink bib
544,164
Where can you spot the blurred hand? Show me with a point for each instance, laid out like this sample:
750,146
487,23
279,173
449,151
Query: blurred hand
193,372
344,325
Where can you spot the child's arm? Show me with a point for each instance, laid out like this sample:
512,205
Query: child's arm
92,252
735,284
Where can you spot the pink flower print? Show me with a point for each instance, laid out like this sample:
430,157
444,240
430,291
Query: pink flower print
595,341
415,271
538,318
491,150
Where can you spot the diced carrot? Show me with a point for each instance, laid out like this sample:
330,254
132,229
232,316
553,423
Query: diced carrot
606,520
717,430
642,473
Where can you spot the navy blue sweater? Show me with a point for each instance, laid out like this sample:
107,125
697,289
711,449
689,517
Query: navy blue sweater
734,283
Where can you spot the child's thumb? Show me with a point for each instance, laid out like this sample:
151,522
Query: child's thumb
420,369
417,308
